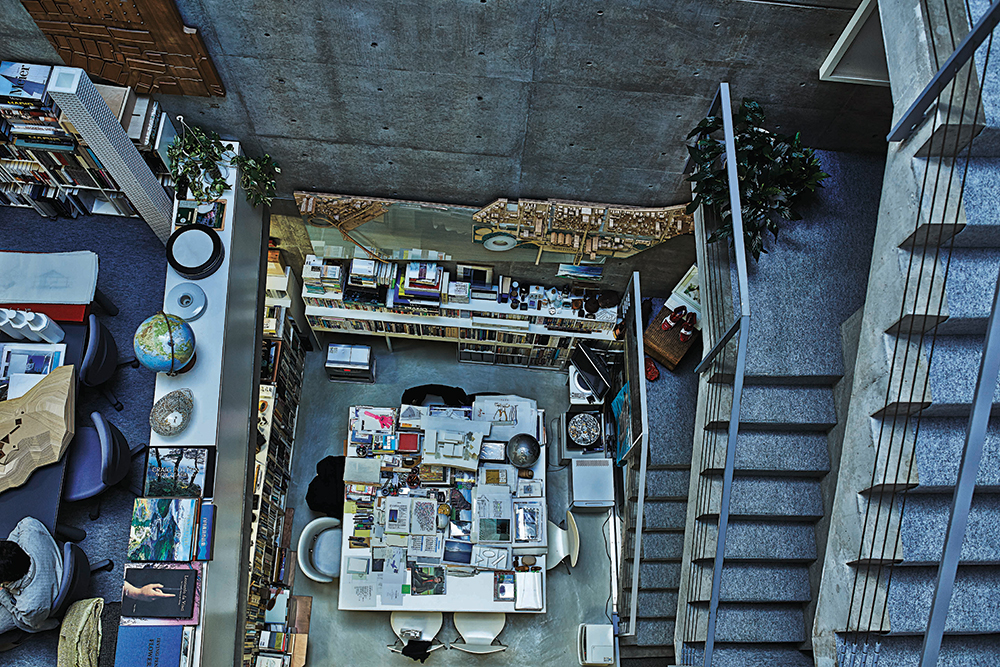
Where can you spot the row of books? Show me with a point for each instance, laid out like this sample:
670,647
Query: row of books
170,538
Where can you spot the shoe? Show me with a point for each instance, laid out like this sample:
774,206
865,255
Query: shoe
671,320
687,329
652,372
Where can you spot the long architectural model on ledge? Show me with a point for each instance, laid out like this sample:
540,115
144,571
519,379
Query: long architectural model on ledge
587,231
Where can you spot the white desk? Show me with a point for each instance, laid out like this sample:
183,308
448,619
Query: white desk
472,594
205,378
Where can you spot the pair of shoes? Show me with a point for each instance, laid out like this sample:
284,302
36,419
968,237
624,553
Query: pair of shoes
671,320
652,372
687,329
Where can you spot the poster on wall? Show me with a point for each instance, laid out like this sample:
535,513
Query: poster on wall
629,404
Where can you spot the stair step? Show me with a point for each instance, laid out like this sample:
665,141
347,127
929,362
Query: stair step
982,226
974,608
755,623
753,655
777,452
972,273
779,498
654,632
755,540
662,546
956,650
664,514
659,575
940,441
953,372
657,604
785,408
925,520
752,582
667,484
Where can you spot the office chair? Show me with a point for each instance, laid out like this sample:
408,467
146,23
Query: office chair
479,631
319,549
563,542
99,458
76,578
100,360
415,625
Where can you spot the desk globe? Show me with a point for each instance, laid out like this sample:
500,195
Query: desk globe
165,343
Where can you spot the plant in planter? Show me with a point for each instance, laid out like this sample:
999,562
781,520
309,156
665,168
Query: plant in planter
775,173
257,178
199,162
194,156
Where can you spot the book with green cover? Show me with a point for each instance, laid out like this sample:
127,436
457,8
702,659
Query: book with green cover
163,529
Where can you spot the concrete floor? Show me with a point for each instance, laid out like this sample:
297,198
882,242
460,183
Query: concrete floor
360,638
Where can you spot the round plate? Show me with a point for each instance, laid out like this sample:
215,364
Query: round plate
584,429
187,301
195,251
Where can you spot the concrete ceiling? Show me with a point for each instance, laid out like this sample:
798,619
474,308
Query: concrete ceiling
464,101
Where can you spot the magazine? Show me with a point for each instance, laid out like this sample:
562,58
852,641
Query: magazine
187,472
427,581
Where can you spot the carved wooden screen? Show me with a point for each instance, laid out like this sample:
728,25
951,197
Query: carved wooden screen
140,43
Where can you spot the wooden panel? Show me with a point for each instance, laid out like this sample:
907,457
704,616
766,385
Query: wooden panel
140,43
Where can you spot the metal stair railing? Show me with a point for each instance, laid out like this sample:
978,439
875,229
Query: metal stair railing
722,300
948,154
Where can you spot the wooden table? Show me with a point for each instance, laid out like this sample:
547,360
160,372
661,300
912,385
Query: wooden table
666,346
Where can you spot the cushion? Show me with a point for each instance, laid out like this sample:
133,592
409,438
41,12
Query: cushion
326,552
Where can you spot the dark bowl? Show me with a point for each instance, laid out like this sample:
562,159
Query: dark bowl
523,450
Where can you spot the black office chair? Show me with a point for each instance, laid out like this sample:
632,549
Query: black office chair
100,360
99,458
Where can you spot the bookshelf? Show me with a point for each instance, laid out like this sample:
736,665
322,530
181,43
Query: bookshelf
65,148
486,331
272,561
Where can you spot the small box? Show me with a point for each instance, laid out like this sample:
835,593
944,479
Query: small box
596,644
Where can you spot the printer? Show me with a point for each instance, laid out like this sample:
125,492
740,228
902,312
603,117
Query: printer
596,645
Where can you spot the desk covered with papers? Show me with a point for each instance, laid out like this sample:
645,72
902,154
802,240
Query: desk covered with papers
435,518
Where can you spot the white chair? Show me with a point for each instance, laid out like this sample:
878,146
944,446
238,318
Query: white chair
479,631
419,625
319,549
563,543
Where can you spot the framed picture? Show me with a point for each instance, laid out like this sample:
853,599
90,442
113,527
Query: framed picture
474,273
210,214
688,290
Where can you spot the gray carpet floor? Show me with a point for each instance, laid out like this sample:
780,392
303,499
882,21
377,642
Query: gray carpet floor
132,270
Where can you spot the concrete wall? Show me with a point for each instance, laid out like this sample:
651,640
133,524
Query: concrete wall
464,101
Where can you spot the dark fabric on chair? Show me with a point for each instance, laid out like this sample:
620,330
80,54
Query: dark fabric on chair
99,458
417,649
100,359
75,579
454,397
326,491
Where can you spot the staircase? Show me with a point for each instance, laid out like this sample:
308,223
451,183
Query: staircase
950,355
671,402
800,293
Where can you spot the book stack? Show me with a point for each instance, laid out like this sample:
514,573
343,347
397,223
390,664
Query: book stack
362,274
28,117
275,265
419,288
320,276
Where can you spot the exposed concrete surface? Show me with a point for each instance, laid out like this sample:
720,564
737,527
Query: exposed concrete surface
469,100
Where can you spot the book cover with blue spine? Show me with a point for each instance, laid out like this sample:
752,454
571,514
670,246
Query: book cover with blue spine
149,645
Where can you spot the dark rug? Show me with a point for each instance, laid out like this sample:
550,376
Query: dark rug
132,271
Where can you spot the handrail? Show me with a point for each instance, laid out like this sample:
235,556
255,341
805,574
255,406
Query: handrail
740,327
944,76
972,454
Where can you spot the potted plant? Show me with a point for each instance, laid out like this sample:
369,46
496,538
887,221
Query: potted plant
199,162
775,172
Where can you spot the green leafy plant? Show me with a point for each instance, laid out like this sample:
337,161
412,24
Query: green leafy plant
775,173
194,162
257,178
195,155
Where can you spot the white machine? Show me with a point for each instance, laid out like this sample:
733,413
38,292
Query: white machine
596,644
579,392
591,484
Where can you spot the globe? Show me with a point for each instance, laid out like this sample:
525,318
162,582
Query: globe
153,348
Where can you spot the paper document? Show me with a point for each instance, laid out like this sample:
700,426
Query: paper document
528,591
